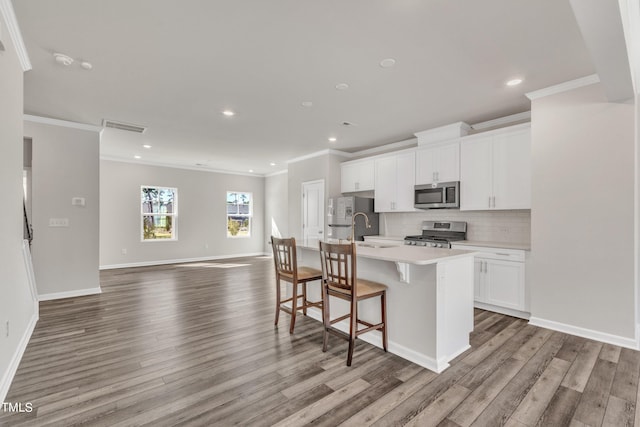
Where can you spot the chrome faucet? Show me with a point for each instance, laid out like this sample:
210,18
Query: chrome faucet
353,224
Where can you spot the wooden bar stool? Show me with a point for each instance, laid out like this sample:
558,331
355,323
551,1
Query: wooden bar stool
339,280
286,265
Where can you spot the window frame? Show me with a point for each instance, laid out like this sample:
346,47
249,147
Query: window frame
173,215
249,216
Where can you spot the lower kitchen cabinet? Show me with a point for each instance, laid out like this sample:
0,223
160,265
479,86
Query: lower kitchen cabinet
499,282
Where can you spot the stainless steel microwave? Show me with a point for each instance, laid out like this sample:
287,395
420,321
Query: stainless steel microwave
437,195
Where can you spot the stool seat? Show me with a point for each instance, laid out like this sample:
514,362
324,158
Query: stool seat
304,274
286,267
364,288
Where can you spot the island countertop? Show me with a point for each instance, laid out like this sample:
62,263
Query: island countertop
417,255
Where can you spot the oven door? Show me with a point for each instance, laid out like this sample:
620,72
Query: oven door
437,196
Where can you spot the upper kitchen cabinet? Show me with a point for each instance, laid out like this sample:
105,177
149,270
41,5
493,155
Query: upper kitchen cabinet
440,163
495,169
357,175
394,182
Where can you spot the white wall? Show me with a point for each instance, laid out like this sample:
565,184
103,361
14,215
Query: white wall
325,166
276,208
65,165
16,304
582,216
201,222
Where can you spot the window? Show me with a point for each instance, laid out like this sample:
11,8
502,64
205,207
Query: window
239,211
159,209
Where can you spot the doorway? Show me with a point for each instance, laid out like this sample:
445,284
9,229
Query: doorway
312,212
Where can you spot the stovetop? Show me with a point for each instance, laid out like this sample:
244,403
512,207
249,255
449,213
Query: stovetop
438,234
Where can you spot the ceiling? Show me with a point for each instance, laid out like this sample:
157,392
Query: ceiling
173,67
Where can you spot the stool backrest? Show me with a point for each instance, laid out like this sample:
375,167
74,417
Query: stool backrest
284,255
338,265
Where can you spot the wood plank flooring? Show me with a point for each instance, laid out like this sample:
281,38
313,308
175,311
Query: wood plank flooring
195,345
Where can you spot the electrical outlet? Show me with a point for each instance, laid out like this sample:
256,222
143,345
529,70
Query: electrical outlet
124,251
206,246
58,222
7,329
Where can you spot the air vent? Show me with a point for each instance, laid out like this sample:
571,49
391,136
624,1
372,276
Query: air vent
123,126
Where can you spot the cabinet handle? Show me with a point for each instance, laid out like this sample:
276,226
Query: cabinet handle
437,176
489,201
357,185
433,176
494,201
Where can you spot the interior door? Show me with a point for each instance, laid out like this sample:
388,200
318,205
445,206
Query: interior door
312,212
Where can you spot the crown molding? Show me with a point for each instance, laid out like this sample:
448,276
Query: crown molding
412,142
320,153
6,10
174,166
282,172
563,87
526,115
61,123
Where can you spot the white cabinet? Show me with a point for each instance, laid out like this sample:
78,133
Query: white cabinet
499,282
357,176
495,170
440,163
394,182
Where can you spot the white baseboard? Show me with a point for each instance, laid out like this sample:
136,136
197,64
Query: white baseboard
8,375
180,261
395,348
69,294
502,310
585,333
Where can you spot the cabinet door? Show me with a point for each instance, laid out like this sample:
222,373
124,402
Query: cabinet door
448,163
425,166
478,280
405,179
385,184
512,170
366,175
475,174
348,177
504,284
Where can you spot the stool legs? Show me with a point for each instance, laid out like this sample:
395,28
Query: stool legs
277,301
294,304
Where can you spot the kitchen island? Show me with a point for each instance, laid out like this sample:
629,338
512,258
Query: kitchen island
429,300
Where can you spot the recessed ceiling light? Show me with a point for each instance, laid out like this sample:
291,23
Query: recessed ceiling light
228,113
63,59
86,65
387,63
251,170
137,157
514,82
272,164
307,104
342,86
333,139
146,146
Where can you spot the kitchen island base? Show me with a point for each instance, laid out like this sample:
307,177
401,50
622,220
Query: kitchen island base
429,301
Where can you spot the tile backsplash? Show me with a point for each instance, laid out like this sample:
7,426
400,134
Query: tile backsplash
490,226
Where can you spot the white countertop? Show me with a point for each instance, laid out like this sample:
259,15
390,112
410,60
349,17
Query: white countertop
406,254
501,245
393,238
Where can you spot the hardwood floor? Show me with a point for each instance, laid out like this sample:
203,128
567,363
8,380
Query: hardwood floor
195,345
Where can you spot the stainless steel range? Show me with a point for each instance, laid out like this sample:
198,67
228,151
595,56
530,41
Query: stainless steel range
438,234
